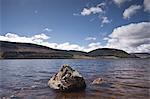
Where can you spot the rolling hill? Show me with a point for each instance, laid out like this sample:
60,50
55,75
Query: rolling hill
13,50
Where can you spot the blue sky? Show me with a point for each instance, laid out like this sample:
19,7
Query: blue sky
77,22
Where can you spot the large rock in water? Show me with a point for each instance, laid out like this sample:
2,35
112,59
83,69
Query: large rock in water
67,79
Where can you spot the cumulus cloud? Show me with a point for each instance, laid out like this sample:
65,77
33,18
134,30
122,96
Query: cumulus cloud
41,36
146,5
90,38
76,14
47,30
93,10
105,20
134,37
131,11
16,38
101,4
98,9
68,46
119,2
93,46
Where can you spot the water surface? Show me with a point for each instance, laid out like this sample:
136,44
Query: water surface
123,78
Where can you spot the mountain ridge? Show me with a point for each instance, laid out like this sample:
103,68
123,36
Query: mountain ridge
15,50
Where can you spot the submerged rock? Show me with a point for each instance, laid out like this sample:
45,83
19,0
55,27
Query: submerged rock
97,81
67,79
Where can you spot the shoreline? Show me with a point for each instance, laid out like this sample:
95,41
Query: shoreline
66,58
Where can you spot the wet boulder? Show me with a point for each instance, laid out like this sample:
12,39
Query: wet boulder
67,79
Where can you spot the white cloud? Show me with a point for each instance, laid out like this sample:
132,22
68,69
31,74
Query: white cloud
93,46
47,30
10,35
90,38
101,4
63,46
134,37
119,2
68,46
105,20
131,11
36,39
41,36
147,5
98,9
93,10
76,14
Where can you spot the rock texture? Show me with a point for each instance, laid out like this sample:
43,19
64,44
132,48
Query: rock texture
67,79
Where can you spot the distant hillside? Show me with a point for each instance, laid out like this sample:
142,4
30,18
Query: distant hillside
13,50
27,50
111,53
142,55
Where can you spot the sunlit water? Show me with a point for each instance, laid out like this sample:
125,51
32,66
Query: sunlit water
123,78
